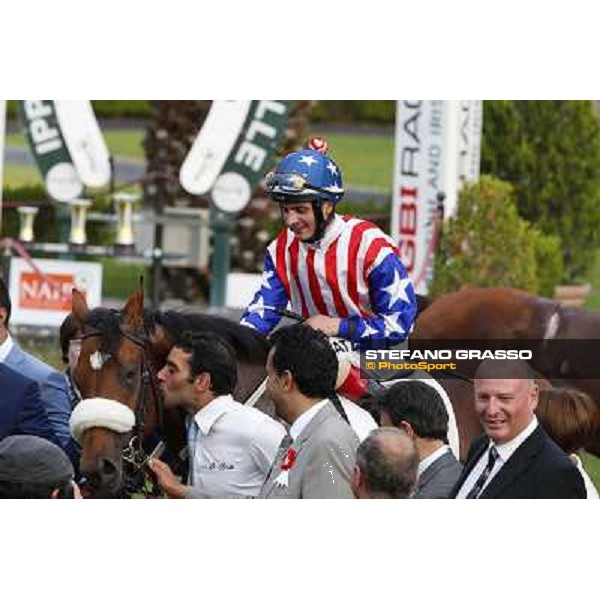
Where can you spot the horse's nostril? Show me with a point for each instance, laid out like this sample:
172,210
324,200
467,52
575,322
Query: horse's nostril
108,468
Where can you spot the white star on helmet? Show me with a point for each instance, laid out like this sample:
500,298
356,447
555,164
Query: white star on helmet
332,168
308,160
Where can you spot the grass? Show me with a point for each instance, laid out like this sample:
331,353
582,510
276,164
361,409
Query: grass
120,277
365,161
17,176
125,143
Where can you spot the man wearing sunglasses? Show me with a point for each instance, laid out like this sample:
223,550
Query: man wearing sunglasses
341,273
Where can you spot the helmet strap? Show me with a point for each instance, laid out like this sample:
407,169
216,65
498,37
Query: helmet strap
321,222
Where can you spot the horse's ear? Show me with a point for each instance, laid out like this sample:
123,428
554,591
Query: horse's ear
79,307
133,313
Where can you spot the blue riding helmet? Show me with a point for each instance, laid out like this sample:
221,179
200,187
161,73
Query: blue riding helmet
305,175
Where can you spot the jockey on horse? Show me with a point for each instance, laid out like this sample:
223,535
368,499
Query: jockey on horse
342,274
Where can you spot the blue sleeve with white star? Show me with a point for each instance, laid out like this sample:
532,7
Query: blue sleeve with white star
261,313
393,303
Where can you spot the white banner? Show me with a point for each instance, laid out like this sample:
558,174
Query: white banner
49,150
46,300
418,179
470,120
214,143
84,140
437,150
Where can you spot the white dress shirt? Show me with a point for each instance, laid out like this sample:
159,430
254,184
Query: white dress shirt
5,347
505,451
231,449
305,418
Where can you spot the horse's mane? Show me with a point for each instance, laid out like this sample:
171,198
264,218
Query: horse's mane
247,343
423,302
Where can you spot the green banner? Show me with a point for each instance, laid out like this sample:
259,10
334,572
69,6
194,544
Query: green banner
48,148
252,154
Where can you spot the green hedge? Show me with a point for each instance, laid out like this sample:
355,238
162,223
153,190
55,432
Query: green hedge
474,248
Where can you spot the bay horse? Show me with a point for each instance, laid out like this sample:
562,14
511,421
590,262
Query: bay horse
566,340
121,352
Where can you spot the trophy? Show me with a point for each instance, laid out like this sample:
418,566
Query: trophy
79,208
124,208
26,218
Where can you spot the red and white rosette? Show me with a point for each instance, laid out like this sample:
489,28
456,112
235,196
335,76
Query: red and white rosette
289,459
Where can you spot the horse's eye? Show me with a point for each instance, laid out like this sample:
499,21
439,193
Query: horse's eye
128,375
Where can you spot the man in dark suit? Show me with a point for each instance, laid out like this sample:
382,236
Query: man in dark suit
515,458
21,407
418,409
316,458
52,384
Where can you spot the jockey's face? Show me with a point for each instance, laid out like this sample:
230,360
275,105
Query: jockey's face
300,217
505,406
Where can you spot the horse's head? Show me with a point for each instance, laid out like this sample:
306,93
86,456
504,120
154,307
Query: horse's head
109,373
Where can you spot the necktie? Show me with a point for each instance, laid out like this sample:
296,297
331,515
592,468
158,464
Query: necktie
476,490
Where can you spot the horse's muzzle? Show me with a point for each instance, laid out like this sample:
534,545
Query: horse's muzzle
102,477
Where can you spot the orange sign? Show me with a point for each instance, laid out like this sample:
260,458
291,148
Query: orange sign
51,293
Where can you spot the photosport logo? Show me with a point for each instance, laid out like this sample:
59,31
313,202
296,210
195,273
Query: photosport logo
433,360
561,359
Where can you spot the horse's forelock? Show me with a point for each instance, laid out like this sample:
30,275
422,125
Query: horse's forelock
108,323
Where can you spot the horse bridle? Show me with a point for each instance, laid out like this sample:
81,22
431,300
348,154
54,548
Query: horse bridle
133,454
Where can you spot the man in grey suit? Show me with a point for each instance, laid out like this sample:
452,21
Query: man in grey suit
417,408
316,458
52,384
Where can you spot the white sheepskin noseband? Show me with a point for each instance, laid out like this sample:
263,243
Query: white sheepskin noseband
100,412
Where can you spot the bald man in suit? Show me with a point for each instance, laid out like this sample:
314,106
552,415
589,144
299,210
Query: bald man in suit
515,458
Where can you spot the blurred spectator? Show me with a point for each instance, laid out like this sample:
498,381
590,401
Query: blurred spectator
418,409
386,465
53,387
21,408
31,467
70,347
570,417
